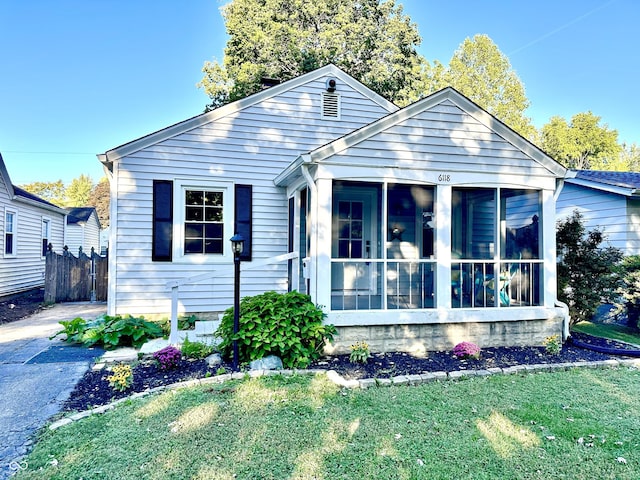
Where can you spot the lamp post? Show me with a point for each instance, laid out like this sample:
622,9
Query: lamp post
237,244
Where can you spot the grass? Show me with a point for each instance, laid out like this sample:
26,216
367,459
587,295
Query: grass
614,332
582,423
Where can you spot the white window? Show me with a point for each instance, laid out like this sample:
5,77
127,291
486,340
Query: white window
10,227
204,225
46,235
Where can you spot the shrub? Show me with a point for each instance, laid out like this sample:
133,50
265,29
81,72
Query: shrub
630,289
586,272
552,344
121,377
196,349
287,325
360,352
169,357
466,350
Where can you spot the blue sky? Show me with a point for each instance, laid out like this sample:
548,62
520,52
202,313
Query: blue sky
78,77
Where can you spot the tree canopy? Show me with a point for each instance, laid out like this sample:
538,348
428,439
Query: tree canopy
372,40
53,192
481,72
584,143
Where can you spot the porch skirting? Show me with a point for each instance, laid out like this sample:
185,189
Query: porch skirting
422,338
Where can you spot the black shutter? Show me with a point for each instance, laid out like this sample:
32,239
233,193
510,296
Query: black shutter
162,220
242,223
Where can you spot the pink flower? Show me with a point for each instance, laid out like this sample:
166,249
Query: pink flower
466,350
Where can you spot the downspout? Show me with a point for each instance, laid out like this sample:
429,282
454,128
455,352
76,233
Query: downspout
565,308
314,243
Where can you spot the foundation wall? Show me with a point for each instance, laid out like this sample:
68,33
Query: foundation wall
419,339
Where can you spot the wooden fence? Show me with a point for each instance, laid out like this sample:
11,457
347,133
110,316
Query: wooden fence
75,279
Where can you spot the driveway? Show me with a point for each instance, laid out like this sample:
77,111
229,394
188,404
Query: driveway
37,375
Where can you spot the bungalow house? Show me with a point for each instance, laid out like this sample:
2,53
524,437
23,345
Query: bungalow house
28,225
413,228
83,230
609,201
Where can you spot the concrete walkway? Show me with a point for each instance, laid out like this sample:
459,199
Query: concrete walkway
36,376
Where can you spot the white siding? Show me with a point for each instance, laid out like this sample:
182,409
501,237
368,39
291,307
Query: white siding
445,139
606,211
251,146
25,270
85,235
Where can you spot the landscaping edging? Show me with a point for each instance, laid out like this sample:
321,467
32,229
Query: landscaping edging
353,384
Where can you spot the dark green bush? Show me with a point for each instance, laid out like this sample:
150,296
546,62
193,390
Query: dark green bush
287,325
587,272
630,289
110,332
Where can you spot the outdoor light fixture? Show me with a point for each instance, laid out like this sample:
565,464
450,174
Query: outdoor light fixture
237,244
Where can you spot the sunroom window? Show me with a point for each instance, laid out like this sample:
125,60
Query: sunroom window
495,264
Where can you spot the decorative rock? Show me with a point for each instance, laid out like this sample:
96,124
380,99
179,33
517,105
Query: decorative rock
214,360
270,362
153,346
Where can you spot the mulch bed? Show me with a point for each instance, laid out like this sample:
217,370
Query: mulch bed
94,390
19,306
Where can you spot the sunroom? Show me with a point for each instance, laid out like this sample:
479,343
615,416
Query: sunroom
419,250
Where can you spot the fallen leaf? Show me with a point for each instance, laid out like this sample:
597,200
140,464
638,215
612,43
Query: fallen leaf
550,437
398,436
420,462
622,460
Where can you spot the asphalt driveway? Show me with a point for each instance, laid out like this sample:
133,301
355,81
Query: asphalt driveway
37,375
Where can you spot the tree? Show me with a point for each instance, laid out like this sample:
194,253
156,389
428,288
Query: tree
53,192
99,198
586,271
582,144
372,40
78,192
481,72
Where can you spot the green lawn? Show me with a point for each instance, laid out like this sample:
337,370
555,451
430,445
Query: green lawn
614,332
582,423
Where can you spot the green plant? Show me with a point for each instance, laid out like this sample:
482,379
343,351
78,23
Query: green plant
196,349
630,290
73,329
587,272
360,352
552,344
121,377
221,371
287,325
110,331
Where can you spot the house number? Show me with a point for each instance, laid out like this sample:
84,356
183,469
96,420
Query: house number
444,177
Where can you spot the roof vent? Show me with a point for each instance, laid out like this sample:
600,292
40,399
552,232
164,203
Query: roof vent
331,85
330,105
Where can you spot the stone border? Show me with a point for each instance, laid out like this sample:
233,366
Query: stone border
353,384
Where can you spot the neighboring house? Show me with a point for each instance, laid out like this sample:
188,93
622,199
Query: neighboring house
609,201
413,228
28,225
83,230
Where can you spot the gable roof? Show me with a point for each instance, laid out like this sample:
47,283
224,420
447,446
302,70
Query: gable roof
621,183
110,156
394,118
80,215
19,194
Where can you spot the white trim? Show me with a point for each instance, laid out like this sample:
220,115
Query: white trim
180,186
45,224
14,232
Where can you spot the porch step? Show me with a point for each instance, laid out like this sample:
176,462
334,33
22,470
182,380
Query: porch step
204,331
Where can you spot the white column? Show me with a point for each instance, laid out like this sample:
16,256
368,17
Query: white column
322,223
443,246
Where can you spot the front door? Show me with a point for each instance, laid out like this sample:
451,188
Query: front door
354,240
